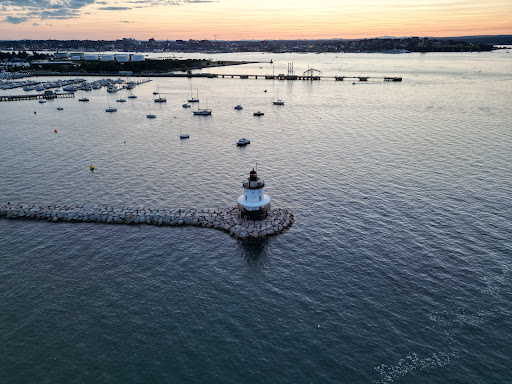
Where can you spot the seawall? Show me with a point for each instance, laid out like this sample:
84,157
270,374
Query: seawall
228,219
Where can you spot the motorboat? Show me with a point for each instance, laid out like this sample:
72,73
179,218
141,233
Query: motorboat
151,116
83,99
121,100
243,141
161,100
239,107
42,101
259,113
186,106
111,110
60,109
132,97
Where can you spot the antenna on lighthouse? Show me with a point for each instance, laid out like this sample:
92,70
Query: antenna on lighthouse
256,167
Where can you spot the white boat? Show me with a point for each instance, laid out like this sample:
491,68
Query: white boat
121,100
42,101
259,113
243,141
83,99
111,110
239,107
161,100
70,88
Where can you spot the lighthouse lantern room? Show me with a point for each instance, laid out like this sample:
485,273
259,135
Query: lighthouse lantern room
254,204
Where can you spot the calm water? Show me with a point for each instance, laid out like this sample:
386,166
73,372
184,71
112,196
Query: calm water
397,269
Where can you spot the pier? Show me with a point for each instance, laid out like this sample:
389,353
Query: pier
37,96
308,76
228,220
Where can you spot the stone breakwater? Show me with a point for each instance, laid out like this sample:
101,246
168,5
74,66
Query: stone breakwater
228,220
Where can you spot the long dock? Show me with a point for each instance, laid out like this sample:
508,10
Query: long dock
37,96
239,76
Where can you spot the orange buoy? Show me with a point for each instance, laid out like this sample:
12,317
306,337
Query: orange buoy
91,167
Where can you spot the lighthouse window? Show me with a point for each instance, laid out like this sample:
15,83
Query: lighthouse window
245,197
260,198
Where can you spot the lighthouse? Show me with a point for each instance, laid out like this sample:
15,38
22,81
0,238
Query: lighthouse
254,204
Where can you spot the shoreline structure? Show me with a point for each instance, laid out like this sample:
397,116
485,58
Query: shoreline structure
228,220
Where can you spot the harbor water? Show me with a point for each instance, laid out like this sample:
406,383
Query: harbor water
395,270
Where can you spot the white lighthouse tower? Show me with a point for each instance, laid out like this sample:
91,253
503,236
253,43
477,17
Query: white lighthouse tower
254,204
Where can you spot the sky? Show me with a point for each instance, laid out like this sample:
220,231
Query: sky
250,19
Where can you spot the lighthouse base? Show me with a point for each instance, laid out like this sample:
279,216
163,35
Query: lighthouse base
254,214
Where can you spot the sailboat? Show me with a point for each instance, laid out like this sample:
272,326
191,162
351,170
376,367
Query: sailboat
184,135
109,109
203,112
192,99
278,102
150,115
82,98
160,99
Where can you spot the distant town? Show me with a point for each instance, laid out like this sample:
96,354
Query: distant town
411,44
127,54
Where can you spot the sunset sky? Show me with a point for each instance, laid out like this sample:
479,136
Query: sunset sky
245,19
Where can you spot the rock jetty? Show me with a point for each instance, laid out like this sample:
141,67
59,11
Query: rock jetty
228,220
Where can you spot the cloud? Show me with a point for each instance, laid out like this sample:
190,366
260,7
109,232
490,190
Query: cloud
43,9
115,8
19,11
15,20
154,3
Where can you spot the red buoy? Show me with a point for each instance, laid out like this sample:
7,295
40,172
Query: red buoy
55,130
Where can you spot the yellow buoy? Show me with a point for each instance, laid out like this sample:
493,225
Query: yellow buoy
91,167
